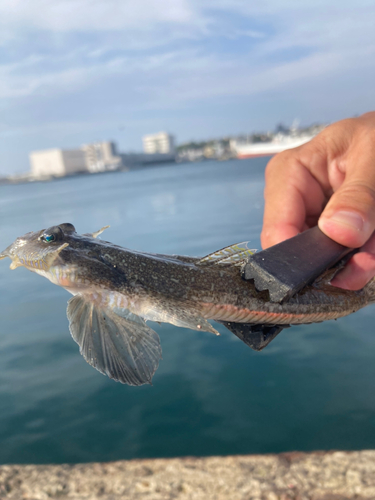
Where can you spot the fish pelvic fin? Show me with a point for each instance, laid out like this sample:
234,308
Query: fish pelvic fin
255,336
125,349
178,315
235,254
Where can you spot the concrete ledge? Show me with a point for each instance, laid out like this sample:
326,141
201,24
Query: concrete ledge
297,476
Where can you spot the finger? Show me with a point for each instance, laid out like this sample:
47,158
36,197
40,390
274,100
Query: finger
359,270
357,273
292,197
349,217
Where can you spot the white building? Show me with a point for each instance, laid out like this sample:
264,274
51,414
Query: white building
91,158
57,162
159,143
101,156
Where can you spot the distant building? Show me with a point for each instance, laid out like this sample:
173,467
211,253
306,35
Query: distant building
101,156
57,162
159,143
97,157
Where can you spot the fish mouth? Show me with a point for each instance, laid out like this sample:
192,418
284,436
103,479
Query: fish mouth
26,251
5,253
10,252
14,251
14,258
32,260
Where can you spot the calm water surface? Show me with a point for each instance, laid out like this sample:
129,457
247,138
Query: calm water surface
312,388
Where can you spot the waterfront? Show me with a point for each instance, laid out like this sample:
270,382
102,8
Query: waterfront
312,388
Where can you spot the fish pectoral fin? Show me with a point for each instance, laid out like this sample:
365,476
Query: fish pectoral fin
126,350
52,256
255,336
235,254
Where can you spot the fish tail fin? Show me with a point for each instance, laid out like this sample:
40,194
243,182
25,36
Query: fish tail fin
255,336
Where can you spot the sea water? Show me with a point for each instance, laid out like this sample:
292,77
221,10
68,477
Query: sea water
312,388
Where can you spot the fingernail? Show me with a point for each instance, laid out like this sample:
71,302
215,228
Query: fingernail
344,218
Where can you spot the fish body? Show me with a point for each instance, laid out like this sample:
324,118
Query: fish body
117,290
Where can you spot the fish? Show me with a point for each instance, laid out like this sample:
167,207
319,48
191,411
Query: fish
116,291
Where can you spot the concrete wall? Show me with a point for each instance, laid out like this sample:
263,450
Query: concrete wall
336,475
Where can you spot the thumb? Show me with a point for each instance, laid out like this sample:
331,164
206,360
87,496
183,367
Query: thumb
349,217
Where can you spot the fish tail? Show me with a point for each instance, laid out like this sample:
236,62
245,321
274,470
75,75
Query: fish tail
370,290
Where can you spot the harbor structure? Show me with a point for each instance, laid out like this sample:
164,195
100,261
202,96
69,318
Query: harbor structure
132,161
162,143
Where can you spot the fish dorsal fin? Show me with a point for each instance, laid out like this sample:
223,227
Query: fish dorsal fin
125,349
234,254
97,233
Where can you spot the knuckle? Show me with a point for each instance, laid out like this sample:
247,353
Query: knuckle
367,136
361,193
361,127
333,140
271,166
281,162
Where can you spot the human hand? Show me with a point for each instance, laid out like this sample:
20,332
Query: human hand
329,181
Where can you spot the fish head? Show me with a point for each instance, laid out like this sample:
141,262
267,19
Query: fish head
39,250
57,253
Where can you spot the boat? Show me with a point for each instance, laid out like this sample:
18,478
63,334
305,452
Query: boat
278,144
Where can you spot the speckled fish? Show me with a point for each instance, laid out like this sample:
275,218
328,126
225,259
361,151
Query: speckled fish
116,290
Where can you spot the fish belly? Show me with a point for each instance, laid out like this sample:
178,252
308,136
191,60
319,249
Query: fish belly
228,312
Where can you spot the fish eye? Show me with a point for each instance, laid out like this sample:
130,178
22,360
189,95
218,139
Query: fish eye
48,237
54,233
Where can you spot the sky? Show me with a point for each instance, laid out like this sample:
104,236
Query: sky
79,71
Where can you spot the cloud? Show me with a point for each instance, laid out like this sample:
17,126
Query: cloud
69,61
92,15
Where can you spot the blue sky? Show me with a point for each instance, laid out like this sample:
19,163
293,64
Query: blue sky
76,71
